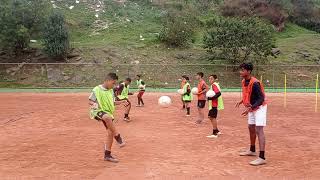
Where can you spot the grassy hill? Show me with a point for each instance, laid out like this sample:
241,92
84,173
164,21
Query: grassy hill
126,32
131,30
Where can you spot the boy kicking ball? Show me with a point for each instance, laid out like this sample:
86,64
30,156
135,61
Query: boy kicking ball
253,98
102,105
187,95
122,94
213,107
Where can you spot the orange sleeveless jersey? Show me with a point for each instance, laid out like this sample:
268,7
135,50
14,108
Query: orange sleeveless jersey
247,91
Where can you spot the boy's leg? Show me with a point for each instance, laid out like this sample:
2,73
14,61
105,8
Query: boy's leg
187,105
262,140
201,105
108,122
261,119
252,134
183,103
127,111
138,96
107,152
141,100
213,118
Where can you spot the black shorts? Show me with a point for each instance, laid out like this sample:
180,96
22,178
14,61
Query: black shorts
201,104
100,115
187,101
213,113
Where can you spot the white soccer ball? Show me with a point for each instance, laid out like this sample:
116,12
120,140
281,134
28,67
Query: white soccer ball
194,90
164,101
210,94
180,91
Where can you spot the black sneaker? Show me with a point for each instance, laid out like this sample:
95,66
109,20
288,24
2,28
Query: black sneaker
110,158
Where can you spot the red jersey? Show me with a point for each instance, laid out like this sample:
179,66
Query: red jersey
202,88
216,90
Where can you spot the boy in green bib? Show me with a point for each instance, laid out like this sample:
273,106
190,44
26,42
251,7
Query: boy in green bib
122,94
187,95
102,107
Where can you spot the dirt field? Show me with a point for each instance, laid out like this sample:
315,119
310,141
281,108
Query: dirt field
49,136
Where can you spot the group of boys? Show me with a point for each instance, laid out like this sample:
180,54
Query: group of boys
103,100
215,103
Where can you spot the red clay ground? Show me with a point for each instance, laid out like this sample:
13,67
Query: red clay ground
51,137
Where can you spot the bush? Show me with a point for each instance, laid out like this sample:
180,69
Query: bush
306,15
178,30
239,40
19,21
272,10
56,36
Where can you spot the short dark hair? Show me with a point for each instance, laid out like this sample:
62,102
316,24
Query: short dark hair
138,75
200,74
111,76
246,66
185,77
128,79
214,76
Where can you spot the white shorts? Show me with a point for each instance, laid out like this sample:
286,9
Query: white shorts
258,117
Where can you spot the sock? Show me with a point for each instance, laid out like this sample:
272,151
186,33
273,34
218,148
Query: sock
253,148
118,139
107,153
215,131
188,110
126,115
261,155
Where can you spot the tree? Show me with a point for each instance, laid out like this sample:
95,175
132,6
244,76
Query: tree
239,40
56,36
178,30
19,21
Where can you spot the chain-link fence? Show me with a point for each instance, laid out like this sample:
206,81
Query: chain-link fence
73,75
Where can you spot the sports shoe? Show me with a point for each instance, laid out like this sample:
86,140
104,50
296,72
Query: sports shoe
110,159
247,153
127,119
212,136
138,105
258,162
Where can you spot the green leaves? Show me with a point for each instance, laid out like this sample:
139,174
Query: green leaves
238,39
56,36
19,21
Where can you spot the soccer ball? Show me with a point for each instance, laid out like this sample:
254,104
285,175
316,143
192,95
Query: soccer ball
194,90
164,101
210,94
180,91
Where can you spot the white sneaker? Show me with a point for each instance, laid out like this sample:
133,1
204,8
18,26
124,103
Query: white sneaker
188,115
212,136
247,153
127,119
258,162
